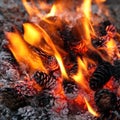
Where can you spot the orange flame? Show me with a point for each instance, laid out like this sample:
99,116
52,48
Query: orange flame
79,77
90,109
34,34
31,8
22,52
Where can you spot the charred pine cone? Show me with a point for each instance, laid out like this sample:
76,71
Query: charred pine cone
101,76
11,99
105,100
44,99
70,88
44,80
116,69
109,116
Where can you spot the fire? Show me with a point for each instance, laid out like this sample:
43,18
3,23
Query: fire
90,109
23,53
31,34
34,34
45,36
31,8
79,77
52,12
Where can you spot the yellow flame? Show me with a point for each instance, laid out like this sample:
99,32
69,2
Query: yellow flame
23,53
90,109
86,9
79,77
31,8
37,33
31,34
52,12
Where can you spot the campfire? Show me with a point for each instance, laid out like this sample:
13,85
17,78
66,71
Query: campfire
64,61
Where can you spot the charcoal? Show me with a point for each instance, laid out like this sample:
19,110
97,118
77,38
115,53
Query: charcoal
45,80
94,56
101,76
11,99
102,27
98,42
105,100
116,69
70,88
109,116
44,99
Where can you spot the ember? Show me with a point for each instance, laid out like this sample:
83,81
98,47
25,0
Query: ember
63,62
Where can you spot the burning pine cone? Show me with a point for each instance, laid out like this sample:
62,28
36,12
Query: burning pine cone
105,100
70,88
101,76
45,80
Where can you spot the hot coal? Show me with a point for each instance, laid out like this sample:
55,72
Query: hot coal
105,100
11,99
45,80
44,99
101,76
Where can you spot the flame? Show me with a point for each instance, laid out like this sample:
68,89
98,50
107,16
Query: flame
52,12
33,35
31,8
90,109
22,52
86,6
79,77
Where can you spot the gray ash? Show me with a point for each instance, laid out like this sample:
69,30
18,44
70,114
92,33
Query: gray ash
105,100
45,80
101,76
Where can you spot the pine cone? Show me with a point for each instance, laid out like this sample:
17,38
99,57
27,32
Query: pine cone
70,88
11,99
44,80
109,116
101,76
44,99
116,69
105,100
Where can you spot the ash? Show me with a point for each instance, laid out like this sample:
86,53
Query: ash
56,108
